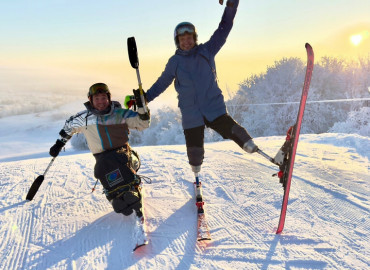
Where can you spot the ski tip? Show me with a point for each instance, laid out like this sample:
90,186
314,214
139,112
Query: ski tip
307,45
204,239
139,246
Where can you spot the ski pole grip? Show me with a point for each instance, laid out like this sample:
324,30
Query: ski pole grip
141,91
143,99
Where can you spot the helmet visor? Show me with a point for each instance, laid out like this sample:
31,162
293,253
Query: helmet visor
186,28
98,88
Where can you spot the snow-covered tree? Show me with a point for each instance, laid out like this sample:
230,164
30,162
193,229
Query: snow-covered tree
333,79
356,122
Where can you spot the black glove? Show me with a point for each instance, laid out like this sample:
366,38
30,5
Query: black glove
55,149
138,98
230,3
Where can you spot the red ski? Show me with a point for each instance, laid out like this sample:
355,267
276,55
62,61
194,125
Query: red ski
286,155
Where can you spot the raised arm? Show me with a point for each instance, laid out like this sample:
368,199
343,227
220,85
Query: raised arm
219,37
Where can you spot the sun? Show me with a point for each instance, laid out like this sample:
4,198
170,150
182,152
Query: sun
356,39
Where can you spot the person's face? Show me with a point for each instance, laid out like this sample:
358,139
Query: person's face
186,42
100,101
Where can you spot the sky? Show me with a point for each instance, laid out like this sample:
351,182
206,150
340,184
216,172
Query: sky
52,45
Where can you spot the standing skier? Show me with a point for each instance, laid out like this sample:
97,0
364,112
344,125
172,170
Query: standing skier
200,99
106,128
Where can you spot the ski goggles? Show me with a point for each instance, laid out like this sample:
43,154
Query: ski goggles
186,28
98,88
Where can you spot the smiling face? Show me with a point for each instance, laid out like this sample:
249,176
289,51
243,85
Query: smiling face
186,41
100,101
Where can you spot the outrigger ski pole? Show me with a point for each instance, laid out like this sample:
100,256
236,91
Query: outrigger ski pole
259,151
37,183
134,61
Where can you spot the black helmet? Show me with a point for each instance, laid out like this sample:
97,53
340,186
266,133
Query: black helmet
182,28
98,88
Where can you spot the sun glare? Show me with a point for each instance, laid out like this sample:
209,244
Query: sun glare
356,39
359,38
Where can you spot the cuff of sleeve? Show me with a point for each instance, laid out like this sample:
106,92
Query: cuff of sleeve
232,3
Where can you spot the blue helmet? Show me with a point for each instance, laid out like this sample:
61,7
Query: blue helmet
183,28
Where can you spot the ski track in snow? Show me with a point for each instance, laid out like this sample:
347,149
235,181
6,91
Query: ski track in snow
66,226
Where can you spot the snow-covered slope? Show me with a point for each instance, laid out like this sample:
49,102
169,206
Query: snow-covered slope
68,227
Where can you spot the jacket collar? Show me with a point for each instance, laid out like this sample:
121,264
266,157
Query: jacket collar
189,52
107,111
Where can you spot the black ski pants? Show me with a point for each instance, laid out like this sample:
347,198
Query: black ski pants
224,125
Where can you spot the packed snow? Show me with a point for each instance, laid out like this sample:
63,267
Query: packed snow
66,226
